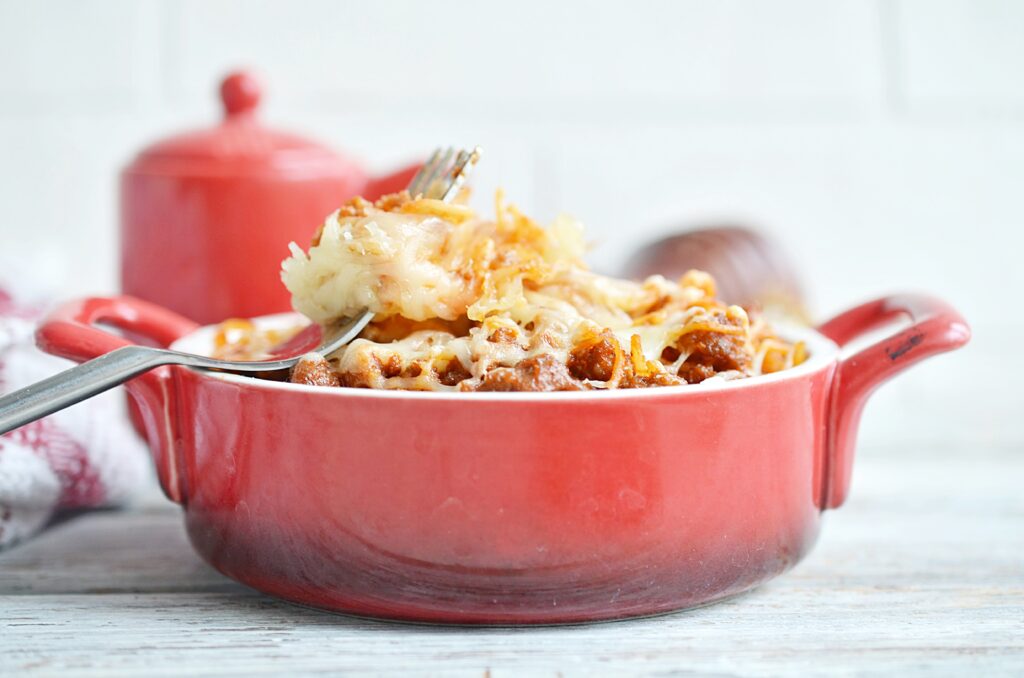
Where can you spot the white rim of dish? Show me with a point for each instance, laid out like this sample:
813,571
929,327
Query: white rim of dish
823,351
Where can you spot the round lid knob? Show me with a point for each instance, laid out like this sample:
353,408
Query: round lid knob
241,146
240,92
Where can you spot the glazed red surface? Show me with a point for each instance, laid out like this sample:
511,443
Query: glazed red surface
511,509
206,217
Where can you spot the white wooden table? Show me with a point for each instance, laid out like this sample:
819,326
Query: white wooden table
921,572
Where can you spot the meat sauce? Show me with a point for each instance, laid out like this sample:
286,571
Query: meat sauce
711,353
470,303
314,371
592,361
544,372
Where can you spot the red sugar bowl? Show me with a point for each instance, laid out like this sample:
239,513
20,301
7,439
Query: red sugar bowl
206,216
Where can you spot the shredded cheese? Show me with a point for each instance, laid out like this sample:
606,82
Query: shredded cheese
459,299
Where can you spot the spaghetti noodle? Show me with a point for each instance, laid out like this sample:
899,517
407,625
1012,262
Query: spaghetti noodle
470,304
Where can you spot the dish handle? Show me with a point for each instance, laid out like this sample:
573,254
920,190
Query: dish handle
69,331
935,328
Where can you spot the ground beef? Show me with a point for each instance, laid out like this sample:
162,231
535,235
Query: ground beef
694,373
503,335
595,358
314,371
453,373
390,366
631,380
540,373
711,353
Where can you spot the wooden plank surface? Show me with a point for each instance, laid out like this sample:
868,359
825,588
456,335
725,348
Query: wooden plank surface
922,572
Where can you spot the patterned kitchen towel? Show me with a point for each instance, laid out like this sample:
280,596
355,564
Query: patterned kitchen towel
86,456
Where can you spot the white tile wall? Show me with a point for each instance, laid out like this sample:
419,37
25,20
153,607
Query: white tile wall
882,141
93,56
538,53
958,56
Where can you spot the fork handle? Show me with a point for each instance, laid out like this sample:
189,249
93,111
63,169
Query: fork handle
76,384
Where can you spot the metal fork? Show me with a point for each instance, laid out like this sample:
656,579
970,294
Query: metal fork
439,178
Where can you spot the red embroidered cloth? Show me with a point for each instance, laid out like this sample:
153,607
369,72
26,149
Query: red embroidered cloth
84,457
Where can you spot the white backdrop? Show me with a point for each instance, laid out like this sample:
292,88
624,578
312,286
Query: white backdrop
882,141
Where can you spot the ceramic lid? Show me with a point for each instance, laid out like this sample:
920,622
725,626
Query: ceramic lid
241,145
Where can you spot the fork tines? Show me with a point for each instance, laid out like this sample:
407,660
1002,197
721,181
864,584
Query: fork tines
441,177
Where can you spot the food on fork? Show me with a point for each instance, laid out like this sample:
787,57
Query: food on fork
464,303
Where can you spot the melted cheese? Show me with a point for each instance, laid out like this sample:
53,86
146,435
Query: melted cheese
473,295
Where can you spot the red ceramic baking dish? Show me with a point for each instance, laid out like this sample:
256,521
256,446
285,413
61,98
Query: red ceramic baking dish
507,508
